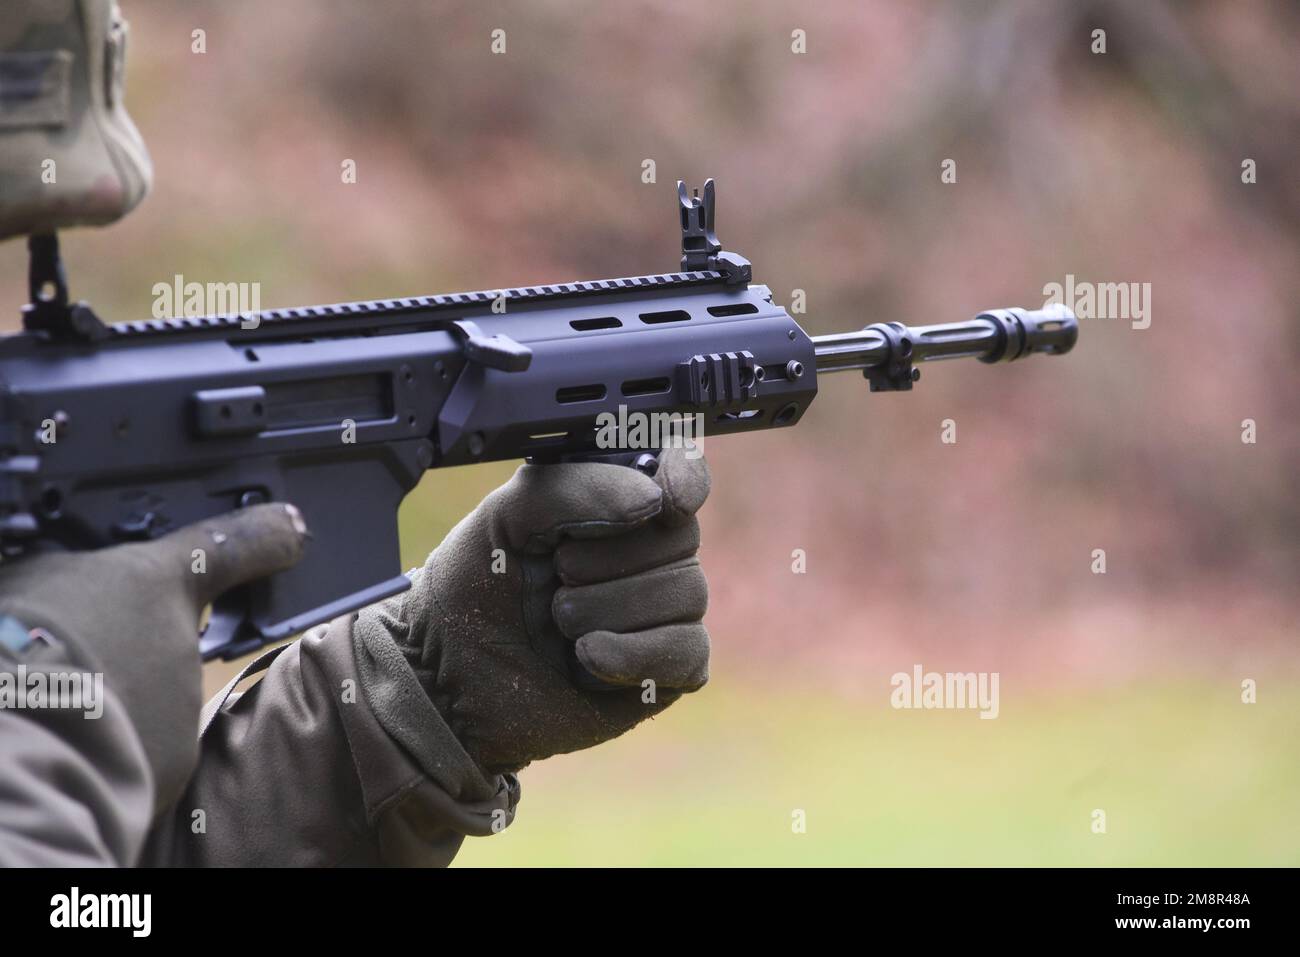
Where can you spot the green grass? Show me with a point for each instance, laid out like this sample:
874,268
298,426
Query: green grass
1186,774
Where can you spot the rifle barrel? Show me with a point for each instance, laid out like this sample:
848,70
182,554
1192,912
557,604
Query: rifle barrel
996,336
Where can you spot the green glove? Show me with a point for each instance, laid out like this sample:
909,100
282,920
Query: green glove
589,561
132,613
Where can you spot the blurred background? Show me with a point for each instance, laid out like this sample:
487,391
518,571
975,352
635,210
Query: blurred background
1119,691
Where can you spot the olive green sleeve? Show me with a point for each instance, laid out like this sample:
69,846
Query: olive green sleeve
75,785
299,771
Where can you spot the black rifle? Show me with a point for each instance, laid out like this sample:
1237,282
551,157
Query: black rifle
112,433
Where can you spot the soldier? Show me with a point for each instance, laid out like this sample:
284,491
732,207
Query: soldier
386,736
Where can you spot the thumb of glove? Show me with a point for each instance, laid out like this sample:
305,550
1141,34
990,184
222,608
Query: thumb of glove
216,554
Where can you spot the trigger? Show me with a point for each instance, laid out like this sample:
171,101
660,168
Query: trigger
229,634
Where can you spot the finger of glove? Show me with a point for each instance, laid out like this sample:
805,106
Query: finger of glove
672,656
671,593
543,503
587,561
685,481
216,554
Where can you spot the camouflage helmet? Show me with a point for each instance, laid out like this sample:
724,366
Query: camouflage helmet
69,153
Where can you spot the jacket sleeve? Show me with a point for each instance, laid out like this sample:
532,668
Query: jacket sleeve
315,765
75,785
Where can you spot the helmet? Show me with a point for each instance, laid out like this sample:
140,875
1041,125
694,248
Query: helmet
69,153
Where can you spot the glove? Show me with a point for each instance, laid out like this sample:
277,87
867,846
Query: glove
132,613
578,563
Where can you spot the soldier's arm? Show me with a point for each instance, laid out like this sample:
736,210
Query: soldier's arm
299,771
100,681
76,789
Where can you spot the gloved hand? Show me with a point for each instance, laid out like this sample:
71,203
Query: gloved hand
132,613
586,560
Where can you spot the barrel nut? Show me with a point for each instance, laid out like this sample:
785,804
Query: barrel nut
895,373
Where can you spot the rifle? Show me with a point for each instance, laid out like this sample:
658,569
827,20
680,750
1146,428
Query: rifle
121,432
